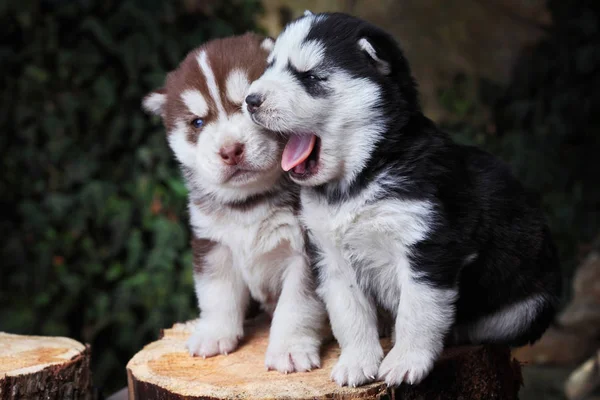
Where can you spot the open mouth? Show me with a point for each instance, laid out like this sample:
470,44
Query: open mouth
301,155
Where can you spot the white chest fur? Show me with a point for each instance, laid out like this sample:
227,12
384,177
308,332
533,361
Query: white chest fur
369,239
262,241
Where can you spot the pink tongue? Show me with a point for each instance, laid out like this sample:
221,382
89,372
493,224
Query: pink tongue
297,150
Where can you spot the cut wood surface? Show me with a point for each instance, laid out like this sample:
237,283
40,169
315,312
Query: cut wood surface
164,370
40,367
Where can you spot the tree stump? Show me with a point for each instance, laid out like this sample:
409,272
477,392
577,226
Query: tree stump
163,370
39,367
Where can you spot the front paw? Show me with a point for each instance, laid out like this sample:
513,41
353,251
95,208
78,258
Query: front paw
357,366
292,357
210,339
403,364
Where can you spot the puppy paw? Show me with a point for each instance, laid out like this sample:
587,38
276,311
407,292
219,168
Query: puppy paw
292,361
210,339
293,356
404,365
356,367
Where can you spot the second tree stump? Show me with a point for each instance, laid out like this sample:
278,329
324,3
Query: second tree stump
43,367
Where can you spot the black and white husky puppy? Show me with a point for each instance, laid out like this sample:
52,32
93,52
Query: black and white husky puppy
399,216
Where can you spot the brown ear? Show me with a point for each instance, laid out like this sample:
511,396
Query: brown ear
154,102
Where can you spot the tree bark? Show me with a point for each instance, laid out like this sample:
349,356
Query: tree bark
163,370
38,367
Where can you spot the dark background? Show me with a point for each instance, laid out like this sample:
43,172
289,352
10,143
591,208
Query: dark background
94,236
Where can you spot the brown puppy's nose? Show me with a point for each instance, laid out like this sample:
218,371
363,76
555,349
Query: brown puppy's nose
232,154
253,101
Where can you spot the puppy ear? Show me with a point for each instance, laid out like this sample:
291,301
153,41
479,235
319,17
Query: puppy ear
382,66
154,102
307,13
268,44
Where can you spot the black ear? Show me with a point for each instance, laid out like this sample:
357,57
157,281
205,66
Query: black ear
154,102
383,67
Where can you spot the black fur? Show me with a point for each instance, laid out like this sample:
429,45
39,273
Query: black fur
312,83
481,207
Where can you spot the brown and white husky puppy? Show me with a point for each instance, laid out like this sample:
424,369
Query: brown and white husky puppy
247,239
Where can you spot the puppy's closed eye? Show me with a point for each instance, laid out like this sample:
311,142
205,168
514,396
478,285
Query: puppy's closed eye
313,76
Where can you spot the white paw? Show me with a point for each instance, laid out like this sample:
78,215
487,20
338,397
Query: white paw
293,356
292,361
357,366
210,339
406,365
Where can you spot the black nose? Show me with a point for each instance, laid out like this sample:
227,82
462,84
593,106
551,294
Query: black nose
253,101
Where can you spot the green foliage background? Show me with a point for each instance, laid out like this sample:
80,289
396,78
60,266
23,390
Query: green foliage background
94,233
94,239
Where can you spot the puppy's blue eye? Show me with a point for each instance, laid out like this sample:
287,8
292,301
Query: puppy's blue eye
197,123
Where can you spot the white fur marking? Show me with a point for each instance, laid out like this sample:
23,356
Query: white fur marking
183,149
310,55
237,85
287,43
470,258
267,44
195,102
505,323
154,103
211,82
382,66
